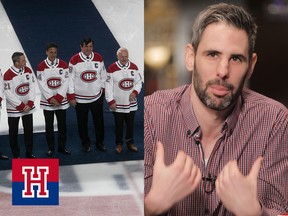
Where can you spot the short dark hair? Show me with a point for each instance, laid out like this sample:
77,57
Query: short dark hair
51,44
86,41
16,56
232,15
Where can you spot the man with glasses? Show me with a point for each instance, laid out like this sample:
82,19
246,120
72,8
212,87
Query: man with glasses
215,147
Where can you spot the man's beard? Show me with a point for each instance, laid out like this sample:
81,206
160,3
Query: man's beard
211,102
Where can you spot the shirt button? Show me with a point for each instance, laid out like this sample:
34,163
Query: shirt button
207,211
188,133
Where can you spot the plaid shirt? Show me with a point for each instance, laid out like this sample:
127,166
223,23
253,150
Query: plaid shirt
258,126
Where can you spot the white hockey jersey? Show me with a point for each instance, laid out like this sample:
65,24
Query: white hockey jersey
19,90
87,77
1,90
53,81
120,83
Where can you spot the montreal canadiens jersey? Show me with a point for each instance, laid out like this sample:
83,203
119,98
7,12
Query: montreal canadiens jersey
87,77
19,90
120,83
53,79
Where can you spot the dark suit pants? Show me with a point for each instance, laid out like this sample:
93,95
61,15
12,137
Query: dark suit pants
13,123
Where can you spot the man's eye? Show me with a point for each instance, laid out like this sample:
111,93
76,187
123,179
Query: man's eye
236,58
212,54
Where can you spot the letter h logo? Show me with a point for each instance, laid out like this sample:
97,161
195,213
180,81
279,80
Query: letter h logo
30,180
35,182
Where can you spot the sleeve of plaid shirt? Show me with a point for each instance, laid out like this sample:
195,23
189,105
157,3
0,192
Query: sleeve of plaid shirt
273,176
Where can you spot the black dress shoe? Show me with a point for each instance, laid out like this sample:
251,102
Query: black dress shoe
16,156
101,147
86,149
64,151
30,155
118,148
50,153
3,157
132,147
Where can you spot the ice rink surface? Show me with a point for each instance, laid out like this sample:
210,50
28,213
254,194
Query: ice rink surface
104,189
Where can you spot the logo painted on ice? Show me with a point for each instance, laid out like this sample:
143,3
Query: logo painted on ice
22,89
126,84
35,182
89,76
54,82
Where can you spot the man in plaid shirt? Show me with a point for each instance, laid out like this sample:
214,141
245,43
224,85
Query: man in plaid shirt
215,147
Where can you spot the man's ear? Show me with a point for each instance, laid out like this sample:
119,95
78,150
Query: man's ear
189,57
252,65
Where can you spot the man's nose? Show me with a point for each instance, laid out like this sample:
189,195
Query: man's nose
223,69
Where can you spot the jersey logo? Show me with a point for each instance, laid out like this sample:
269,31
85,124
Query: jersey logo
54,82
88,76
35,176
35,182
22,89
126,84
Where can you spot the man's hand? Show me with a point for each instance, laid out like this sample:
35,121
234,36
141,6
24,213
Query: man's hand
26,108
132,97
237,192
172,183
72,103
113,107
54,102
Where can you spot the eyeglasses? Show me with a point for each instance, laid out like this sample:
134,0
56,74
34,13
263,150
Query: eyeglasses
208,188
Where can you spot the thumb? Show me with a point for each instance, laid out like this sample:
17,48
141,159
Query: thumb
159,153
256,168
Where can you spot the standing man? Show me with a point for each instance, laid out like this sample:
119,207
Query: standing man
19,89
53,78
215,147
86,86
2,157
122,86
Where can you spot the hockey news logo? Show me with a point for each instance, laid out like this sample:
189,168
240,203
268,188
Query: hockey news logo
35,182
